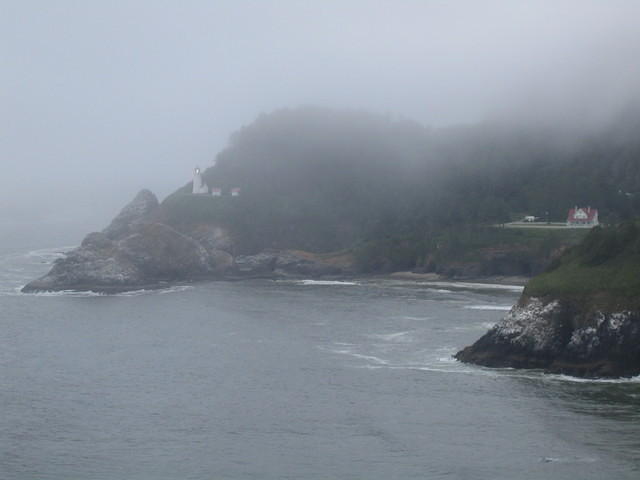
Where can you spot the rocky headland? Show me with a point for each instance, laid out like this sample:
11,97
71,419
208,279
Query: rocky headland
142,248
581,317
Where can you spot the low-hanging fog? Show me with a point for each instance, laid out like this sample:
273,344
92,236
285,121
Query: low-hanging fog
100,99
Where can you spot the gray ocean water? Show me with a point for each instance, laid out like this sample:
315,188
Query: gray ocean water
287,380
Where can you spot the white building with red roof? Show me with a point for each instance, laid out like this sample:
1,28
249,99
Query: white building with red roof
582,217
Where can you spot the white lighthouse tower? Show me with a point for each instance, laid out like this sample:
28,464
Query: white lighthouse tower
199,186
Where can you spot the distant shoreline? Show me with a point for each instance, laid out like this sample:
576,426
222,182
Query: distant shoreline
404,275
432,277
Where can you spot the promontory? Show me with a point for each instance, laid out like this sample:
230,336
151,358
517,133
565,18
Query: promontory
581,317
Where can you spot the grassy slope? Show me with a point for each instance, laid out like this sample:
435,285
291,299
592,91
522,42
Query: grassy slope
604,270
393,250
465,244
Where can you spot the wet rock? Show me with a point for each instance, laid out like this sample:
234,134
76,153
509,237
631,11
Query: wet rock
211,237
89,267
282,263
142,209
135,251
558,337
161,253
139,250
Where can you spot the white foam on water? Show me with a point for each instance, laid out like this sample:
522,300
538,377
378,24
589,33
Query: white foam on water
441,360
413,319
569,378
477,286
476,326
427,368
550,377
376,360
90,293
157,291
325,282
505,308
369,357
50,252
61,293
391,337
448,364
20,267
568,459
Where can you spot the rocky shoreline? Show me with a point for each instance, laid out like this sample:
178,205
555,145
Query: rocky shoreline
434,277
139,250
580,317
142,249
559,337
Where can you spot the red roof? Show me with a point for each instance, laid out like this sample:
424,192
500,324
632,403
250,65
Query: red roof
582,214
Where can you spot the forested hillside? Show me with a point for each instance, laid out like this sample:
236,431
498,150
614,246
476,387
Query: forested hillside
325,180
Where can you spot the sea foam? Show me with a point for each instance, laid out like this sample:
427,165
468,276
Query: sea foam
504,308
325,282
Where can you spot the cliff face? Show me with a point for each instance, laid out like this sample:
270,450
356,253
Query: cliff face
139,250
581,317
552,335
136,250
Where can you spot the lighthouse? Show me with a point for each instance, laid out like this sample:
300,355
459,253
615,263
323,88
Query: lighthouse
199,186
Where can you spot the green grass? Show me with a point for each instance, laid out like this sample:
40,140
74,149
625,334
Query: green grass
603,270
468,244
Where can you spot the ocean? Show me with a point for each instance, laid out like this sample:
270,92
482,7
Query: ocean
287,380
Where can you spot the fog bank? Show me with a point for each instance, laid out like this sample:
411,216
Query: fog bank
100,99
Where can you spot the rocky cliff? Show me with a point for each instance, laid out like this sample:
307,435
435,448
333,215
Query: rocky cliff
581,317
553,335
139,249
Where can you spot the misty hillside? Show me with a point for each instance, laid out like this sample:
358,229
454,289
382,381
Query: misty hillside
323,180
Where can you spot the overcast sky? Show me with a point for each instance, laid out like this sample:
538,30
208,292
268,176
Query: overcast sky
101,98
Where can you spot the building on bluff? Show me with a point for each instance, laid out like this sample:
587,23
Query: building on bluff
582,217
200,187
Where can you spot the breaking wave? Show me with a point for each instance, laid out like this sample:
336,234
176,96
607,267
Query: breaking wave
346,351
568,378
325,282
477,286
392,337
504,308
90,293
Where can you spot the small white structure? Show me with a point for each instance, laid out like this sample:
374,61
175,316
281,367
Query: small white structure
199,187
529,218
216,192
235,192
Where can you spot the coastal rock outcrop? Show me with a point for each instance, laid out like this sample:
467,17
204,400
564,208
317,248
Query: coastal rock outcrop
135,251
144,208
558,337
579,317
141,248
283,263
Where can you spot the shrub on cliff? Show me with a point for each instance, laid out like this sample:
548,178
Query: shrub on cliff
603,270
